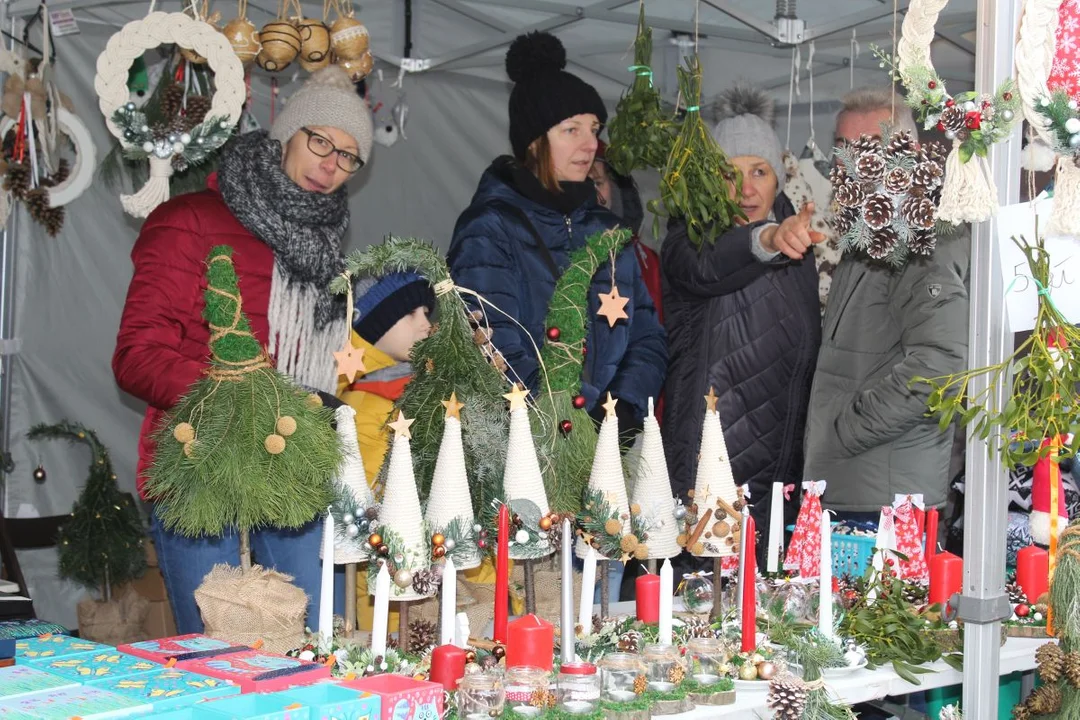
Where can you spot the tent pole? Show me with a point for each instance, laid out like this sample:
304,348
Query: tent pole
7,323
983,603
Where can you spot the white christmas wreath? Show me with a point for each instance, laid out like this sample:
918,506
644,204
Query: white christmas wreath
1051,115
127,123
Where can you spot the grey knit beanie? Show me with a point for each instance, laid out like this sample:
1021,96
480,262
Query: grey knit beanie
745,127
327,99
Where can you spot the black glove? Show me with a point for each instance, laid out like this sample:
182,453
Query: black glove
629,424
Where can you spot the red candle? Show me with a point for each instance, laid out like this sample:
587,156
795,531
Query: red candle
946,577
931,533
502,576
749,587
447,666
1033,572
647,597
531,643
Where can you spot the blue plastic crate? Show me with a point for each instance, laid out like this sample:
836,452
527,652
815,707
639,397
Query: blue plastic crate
851,554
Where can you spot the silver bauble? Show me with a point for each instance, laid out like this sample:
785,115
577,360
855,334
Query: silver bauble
449,544
351,530
403,578
347,518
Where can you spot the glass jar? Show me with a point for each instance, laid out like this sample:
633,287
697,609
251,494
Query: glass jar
622,677
663,667
578,688
706,659
528,690
480,696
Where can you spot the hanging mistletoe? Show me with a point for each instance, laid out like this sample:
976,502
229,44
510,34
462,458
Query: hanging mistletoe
1044,372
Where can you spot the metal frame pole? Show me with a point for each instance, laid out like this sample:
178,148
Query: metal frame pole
8,265
983,603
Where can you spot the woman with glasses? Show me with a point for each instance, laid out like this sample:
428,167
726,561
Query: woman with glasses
279,200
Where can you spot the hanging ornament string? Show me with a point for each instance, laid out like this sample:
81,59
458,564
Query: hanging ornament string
854,55
810,77
793,82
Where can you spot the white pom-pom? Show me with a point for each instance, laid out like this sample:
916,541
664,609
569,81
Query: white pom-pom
1037,156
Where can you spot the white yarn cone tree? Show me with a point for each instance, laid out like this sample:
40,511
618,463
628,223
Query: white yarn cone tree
401,524
523,484
607,484
652,493
449,508
713,530
353,495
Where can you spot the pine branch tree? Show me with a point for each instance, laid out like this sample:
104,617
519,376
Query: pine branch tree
102,544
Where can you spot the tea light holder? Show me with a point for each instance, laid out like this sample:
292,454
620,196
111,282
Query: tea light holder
578,688
528,691
706,658
663,668
622,676
480,696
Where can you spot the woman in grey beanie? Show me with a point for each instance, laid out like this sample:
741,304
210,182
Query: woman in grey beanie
279,200
742,318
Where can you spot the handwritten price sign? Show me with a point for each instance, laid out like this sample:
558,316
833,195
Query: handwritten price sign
1021,292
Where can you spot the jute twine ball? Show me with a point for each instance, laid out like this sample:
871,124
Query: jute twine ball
274,444
286,425
612,527
358,69
280,45
349,38
698,549
244,38
641,552
184,432
314,44
189,447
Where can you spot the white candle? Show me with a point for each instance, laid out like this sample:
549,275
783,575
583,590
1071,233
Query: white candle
825,613
462,632
449,602
326,588
382,611
588,581
776,528
566,615
667,591
878,561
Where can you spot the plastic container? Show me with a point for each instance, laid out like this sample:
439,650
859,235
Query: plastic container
578,688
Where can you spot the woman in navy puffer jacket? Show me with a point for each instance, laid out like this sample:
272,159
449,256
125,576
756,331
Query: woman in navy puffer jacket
531,211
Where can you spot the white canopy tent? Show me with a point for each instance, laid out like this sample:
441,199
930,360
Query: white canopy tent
63,296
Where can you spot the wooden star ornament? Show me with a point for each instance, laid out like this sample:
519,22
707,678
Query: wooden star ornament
710,400
517,397
453,407
609,406
350,361
613,306
401,426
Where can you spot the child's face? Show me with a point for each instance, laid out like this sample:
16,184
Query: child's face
406,332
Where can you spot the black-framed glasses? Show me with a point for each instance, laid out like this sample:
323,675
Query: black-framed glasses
321,146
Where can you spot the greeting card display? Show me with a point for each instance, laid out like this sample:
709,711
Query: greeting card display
402,697
168,688
96,666
272,706
54,646
19,629
258,672
87,703
181,647
327,700
19,680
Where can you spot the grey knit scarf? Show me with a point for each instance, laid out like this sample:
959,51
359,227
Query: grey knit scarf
303,228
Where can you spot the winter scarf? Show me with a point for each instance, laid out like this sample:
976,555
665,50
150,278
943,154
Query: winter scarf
305,230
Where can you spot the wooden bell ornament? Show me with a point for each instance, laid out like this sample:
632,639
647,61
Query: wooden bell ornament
357,69
348,36
201,14
243,36
280,43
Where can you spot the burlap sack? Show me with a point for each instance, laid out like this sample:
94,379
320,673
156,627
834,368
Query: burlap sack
260,604
120,620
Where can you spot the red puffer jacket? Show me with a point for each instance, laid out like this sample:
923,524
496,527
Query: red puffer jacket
162,346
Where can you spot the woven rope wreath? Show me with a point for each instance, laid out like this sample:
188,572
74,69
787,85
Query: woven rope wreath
973,122
1052,115
128,124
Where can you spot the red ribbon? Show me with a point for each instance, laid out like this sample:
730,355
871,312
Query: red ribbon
787,491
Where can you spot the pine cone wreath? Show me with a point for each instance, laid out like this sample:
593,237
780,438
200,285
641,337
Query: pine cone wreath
1016,593
882,243
17,179
922,242
422,635
901,144
952,118
849,194
1051,661
878,211
1045,700
870,166
897,181
919,213
787,698
1072,668
843,220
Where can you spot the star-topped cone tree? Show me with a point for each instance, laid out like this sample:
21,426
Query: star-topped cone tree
652,496
606,521
714,518
354,507
524,485
402,538
449,510
245,448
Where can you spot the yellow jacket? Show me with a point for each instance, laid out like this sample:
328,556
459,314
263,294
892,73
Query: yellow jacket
372,396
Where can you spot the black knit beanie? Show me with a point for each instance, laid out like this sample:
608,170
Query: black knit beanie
380,305
544,93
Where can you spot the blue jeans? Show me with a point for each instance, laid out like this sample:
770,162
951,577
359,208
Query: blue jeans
185,562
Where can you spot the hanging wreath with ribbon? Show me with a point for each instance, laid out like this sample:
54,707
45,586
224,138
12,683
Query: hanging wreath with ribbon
972,121
128,124
1052,115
